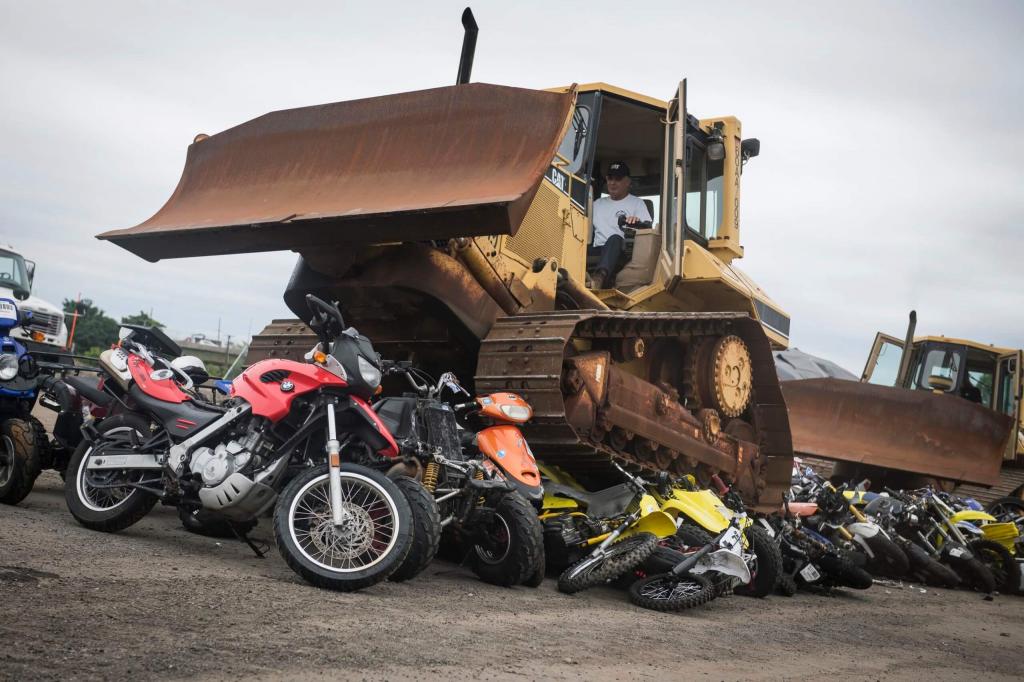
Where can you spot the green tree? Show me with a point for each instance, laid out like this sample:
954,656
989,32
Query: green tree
94,330
142,319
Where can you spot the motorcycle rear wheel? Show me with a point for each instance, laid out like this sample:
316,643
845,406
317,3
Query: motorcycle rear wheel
107,509
928,570
367,549
667,592
889,559
622,556
974,574
841,570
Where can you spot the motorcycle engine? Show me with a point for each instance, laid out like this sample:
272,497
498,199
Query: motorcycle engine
216,464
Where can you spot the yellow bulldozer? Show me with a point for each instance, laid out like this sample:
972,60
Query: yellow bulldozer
927,409
453,226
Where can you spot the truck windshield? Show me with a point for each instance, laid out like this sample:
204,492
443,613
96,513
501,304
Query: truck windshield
12,271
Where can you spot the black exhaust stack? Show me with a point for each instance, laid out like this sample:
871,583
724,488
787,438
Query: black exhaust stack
468,46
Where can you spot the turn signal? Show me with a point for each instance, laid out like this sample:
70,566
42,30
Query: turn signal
38,336
319,356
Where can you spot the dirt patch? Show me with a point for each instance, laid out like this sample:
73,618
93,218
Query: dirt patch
158,602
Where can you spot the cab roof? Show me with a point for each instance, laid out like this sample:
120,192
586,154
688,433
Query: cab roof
615,90
987,347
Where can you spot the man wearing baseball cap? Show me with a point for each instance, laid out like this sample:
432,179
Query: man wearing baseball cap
609,240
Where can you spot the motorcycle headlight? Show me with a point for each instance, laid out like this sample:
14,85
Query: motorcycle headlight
8,366
517,413
369,373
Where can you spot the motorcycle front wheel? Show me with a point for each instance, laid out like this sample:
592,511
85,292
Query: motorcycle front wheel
667,592
96,498
365,549
595,569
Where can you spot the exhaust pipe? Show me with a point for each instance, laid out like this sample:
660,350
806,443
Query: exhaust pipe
468,46
908,343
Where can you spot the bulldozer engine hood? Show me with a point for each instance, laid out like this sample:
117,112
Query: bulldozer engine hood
456,161
914,431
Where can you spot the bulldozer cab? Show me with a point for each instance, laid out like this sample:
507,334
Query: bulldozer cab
980,373
667,153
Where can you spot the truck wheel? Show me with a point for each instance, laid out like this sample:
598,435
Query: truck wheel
426,529
19,460
515,541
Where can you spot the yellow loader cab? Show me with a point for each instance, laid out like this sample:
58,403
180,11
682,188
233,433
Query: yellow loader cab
978,372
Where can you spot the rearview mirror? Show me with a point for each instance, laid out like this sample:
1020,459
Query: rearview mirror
21,294
30,270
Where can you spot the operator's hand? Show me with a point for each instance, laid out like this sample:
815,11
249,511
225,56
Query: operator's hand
632,220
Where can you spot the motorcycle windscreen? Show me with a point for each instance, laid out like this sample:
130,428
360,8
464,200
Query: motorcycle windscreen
915,431
449,162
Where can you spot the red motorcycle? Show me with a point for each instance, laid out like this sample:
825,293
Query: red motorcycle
298,435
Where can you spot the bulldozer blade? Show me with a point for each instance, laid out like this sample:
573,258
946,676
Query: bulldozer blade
456,161
914,431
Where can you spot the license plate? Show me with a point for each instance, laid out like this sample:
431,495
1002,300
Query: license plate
956,552
731,538
810,573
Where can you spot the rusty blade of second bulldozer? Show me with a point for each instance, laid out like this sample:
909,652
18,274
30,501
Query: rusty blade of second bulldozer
449,162
915,431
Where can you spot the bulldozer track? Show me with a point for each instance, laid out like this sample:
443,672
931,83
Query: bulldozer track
526,354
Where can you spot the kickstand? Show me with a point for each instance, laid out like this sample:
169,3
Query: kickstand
244,537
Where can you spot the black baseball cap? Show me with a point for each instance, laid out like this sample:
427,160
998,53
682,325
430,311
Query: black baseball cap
618,169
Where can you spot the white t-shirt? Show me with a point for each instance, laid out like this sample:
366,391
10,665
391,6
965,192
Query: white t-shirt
607,212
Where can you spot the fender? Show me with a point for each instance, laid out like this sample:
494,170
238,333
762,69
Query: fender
968,528
657,523
702,507
970,515
723,561
390,447
505,446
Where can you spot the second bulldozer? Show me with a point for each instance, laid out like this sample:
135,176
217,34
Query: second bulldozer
452,224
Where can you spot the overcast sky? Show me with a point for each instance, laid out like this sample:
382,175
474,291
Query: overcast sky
889,176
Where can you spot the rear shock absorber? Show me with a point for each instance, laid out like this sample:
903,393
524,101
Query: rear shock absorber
430,472
478,475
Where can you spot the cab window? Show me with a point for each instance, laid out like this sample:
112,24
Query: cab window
940,362
704,196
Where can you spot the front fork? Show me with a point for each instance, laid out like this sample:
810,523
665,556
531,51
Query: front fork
334,467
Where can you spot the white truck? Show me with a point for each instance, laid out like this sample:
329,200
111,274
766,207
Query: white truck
16,275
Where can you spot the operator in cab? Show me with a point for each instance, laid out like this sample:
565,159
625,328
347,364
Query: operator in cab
609,241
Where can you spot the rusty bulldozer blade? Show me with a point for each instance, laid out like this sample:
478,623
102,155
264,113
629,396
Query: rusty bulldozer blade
449,162
914,431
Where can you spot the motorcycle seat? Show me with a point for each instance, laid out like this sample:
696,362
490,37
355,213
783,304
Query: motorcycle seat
88,389
602,504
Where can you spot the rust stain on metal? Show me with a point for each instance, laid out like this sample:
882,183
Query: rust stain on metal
895,428
433,164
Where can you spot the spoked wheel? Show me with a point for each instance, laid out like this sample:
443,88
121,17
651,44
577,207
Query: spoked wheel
1007,509
1000,562
667,592
597,568
369,545
105,499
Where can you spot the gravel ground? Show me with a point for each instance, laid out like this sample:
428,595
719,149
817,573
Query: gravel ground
156,602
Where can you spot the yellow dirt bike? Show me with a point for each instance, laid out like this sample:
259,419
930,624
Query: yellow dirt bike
613,529
701,515
996,542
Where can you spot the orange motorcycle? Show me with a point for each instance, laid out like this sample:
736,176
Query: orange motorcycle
473,459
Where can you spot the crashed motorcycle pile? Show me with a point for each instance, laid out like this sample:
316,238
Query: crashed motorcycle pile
925,535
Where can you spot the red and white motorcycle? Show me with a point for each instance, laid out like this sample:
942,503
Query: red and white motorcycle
298,435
